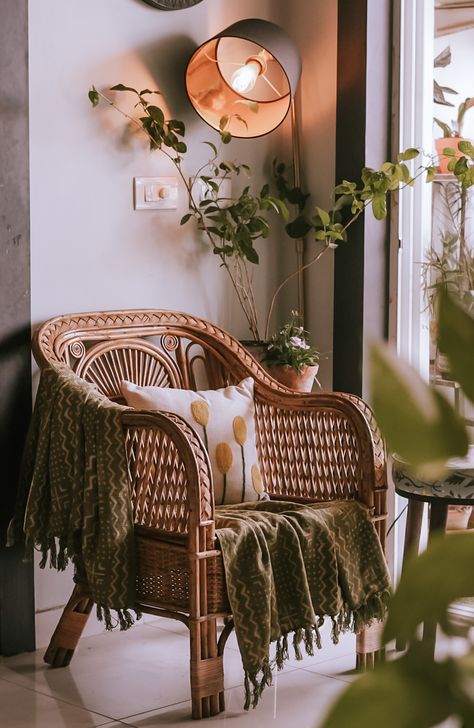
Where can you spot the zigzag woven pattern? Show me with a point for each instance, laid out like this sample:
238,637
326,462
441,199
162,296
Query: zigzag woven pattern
78,506
287,567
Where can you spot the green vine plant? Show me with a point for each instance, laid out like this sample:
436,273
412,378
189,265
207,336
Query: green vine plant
232,227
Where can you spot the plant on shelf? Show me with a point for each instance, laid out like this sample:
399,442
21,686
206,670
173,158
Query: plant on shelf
450,145
449,262
456,127
290,358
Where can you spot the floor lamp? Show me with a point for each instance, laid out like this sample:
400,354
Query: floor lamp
252,63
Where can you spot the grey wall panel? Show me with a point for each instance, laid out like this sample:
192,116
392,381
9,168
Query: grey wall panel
16,577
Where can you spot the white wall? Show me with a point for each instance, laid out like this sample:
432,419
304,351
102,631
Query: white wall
89,249
314,28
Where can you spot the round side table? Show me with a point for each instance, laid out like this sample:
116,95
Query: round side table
456,487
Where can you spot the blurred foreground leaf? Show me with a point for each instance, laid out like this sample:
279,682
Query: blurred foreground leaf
456,340
430,582
418,422
407,693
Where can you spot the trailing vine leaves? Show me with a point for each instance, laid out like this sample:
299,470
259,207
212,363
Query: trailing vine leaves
233,226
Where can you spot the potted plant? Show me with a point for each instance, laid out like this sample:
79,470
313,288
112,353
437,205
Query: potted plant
452,136
233,226
289,357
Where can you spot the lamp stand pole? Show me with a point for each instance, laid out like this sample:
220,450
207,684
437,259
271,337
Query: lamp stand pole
299,243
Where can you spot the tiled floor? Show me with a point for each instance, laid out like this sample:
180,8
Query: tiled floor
140,678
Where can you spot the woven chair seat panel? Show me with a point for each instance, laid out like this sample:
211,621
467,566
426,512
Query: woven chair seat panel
164,577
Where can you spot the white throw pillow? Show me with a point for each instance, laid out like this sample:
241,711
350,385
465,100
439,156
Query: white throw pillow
224,419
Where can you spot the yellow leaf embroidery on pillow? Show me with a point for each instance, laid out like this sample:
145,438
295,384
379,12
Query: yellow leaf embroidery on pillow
240,434
240,430
224,459
200,412
257,480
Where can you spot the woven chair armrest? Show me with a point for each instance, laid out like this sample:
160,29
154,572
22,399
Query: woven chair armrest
378,443
169,470
328,447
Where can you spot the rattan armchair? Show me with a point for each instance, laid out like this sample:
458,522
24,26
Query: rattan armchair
312,447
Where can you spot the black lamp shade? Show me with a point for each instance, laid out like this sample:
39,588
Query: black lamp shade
209,80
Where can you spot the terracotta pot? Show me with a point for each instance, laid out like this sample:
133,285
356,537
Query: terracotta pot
290,378
451,143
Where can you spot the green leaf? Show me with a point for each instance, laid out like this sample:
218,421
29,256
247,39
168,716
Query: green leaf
185,218
252,105
251,255
417,421
320,235
461,166
228,166
379,206
342,201
408,692
456,339
298,228
121,87
224,120
180,147
410,153
431,173
323,216
226,137
93,96
445,128
213,147
466,147
177,126
241,119
421,594
156,114
145,91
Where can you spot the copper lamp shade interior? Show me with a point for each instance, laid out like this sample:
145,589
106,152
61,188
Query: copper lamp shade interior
249,70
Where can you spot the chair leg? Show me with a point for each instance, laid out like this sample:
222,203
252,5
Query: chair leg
69,628
368,647
207,670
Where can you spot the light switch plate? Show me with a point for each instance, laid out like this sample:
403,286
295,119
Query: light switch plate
201,191
155,193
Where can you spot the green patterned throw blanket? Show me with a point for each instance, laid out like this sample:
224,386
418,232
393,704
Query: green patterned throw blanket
74,498
287,567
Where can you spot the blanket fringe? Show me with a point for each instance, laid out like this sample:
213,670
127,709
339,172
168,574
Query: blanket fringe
346,620
124,617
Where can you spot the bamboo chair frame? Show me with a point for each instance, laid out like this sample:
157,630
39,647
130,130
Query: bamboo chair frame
312,447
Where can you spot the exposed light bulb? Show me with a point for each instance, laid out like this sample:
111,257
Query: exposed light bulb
245,78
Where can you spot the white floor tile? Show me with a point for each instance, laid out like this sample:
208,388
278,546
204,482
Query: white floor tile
24,708
297,698
119,674
342,668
